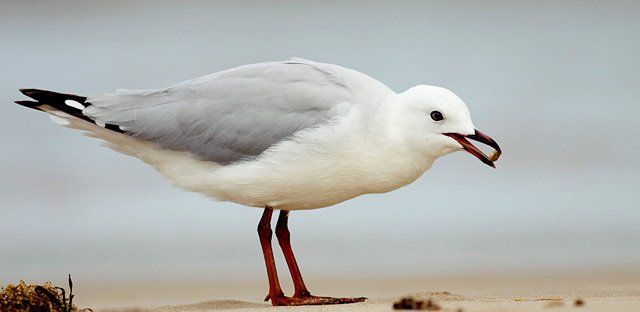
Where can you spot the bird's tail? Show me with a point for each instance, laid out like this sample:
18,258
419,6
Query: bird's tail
67,110
61,106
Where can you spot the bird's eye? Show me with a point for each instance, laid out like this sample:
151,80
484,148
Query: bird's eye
437,116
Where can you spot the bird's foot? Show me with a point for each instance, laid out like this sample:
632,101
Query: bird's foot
307,299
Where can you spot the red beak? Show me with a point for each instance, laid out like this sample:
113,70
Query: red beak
482,138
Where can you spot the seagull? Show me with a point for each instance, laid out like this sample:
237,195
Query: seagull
286,135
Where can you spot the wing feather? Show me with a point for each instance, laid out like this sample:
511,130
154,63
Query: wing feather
232,115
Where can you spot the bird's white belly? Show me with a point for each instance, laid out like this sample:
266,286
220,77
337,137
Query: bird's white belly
291,186
294,177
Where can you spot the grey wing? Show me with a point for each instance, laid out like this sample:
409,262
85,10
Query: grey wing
231,115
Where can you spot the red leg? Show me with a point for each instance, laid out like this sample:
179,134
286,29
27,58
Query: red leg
284,239
302,295
264,232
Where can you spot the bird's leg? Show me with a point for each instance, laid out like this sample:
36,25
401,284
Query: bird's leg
264,232
301,295
284,239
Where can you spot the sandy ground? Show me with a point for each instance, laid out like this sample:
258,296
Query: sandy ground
600,290
446,302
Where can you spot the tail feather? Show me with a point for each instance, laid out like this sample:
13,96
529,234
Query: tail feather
67,103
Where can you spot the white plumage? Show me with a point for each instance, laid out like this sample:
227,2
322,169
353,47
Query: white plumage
290,135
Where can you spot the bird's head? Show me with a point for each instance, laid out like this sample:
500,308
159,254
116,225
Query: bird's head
437,122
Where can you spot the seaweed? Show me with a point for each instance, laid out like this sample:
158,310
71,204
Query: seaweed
24,297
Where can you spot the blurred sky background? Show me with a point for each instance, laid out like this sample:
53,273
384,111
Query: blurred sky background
556,83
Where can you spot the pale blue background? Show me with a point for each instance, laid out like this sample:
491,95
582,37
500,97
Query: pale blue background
556,83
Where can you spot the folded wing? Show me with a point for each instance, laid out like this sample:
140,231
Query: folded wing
232,115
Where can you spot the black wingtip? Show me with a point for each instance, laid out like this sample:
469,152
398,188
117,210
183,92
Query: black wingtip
50,96
29,92
29,104
40,95
58,101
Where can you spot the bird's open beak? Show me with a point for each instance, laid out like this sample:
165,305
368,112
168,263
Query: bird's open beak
482,138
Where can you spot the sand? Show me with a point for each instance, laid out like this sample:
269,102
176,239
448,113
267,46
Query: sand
600,290
447,302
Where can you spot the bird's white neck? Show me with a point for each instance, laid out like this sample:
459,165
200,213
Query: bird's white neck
393,161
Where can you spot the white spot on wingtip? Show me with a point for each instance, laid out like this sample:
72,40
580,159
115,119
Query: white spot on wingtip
59,120
100,123
74,104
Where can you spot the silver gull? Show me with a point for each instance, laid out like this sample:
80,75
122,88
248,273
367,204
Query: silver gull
290,135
